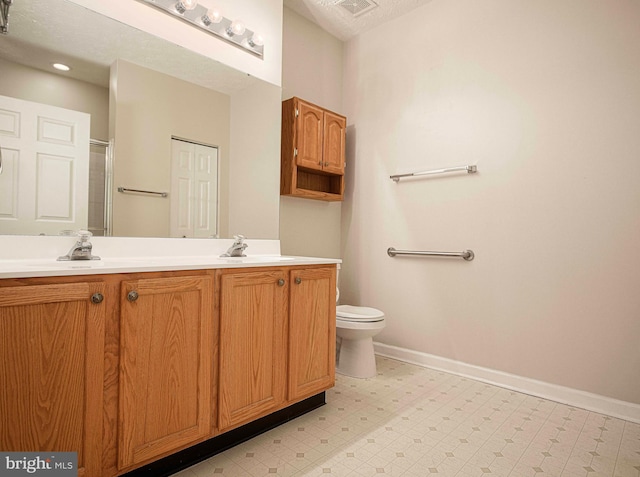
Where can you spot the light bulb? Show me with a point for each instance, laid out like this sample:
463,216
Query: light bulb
212,16
236,28
61,67
256,40
184,5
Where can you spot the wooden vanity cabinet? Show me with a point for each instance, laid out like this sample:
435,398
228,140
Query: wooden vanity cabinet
277,339
253,344
166,365
312,151
52,340
125,369
312,331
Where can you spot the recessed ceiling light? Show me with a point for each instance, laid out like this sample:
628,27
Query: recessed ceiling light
61,67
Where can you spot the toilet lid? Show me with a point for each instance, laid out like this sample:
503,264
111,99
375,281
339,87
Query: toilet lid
358,313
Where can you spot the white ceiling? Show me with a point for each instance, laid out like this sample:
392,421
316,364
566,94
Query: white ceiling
335,17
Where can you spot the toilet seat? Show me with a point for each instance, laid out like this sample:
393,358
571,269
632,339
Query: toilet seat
362,314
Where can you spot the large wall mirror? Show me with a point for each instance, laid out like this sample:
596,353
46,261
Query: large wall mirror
142,95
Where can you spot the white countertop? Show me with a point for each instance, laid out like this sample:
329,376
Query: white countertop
52,268
24,257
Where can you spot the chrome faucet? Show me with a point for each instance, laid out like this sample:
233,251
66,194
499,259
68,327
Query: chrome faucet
82,248
237,249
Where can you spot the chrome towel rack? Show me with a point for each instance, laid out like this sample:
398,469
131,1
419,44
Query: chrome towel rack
470,170
125,190
468,255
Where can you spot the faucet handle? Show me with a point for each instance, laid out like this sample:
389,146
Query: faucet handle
84,235
239,238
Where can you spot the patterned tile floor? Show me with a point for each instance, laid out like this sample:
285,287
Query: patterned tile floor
412,421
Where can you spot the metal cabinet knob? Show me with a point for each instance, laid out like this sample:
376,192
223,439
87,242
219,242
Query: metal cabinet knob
298,280
97,298
281,282
132,296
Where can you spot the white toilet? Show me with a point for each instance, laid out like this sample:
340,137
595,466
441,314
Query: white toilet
355,328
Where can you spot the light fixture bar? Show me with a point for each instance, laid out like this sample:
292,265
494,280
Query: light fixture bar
221,29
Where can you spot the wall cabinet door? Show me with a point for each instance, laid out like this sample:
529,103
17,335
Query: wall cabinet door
52,371
335,127
166,365
253,315
312,332
309,126
320,138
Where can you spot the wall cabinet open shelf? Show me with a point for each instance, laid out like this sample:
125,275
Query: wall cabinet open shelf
312,151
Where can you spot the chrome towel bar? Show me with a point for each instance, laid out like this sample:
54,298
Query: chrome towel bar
469,169
468,255
124,189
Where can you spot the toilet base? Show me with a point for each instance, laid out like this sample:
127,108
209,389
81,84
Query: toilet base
356,358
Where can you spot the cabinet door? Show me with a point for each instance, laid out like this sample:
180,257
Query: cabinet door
309,125
165,365
312,332
253,312
335,127
52,371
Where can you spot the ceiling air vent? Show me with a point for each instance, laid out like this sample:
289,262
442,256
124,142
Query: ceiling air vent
357,7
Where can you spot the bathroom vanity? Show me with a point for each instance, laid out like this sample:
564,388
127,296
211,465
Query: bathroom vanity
138,358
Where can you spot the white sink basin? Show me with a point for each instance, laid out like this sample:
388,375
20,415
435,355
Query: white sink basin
48,264
258,258
89,264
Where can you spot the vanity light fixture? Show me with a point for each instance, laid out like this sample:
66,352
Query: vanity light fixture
211,16
211,21
61,67
256,40
236,28
184,5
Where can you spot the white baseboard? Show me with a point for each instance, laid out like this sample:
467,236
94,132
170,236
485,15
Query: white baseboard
573,397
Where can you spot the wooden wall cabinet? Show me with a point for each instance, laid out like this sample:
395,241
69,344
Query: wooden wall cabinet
312,151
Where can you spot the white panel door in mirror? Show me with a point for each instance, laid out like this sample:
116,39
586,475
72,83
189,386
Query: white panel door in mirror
194,190
45,183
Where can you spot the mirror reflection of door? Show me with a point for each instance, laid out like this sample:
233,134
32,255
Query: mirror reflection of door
44,185
194,190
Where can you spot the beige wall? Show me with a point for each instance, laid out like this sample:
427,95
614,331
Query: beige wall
148,108
312,70
543,96
254,169
29,84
